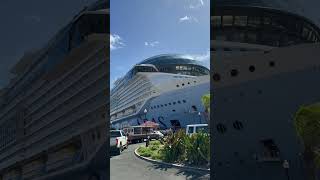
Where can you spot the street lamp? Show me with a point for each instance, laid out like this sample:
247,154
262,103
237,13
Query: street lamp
145,113
285,165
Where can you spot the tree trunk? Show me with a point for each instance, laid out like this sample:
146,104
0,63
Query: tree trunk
309,162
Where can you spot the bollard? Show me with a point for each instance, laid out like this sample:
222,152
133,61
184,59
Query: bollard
147,141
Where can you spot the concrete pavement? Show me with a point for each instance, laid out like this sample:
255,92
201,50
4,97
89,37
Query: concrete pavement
128,166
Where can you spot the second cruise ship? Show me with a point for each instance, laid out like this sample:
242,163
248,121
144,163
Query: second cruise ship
165,89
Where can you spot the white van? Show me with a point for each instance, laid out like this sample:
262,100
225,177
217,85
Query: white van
196,128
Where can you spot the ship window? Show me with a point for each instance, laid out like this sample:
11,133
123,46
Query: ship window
188,82
254,21
170,104
216,21
221,128
174,103
252,68
158,106
227,20
182,84
234,72
194,81
272,63
216,77
259,91
240,20
184,101
177,85
238,125
173,110
194,108
151,107
161,105
165,104
179,102
267,20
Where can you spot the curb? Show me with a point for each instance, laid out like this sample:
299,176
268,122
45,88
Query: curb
169,164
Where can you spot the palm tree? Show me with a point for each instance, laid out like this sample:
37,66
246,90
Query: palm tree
206,103
307,124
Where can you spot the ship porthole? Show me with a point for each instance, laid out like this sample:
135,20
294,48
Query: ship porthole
238,125
252,68
216,77
271,63
234,72
221,128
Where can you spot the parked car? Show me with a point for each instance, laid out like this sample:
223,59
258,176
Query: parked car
196,128
118,141
159,134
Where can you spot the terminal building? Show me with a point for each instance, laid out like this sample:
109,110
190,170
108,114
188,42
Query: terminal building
53,112
265,65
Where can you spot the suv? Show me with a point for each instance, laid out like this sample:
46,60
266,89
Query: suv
118,141
196,128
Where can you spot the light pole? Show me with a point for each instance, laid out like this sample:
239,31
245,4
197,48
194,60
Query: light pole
285,165
145,113
199,113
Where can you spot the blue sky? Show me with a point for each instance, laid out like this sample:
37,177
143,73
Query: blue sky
144,28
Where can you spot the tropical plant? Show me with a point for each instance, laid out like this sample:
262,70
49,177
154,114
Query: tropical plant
174,147
307,124
198,148
206,102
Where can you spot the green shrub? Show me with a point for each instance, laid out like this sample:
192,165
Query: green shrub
180,147
198,148
144,151
155,143
174,147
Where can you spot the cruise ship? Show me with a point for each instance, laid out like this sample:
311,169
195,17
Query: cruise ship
265,65
53,112
165,89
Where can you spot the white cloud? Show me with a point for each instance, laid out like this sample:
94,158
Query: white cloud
204,58
188,19
115,42
152,44
197,5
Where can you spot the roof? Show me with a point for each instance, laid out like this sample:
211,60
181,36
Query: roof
258,6
171,59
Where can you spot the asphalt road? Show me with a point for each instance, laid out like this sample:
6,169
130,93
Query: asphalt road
128,166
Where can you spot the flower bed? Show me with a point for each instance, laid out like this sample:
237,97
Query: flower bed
180,148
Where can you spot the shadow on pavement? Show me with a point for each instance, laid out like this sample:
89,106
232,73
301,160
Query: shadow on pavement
190,174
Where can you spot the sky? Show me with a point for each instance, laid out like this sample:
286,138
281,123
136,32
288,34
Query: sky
28,25
144,28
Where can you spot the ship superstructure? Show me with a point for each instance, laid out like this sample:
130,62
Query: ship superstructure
153,90
53,113
265,66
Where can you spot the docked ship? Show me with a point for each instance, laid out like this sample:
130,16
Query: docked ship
53,112
165,89
265,65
